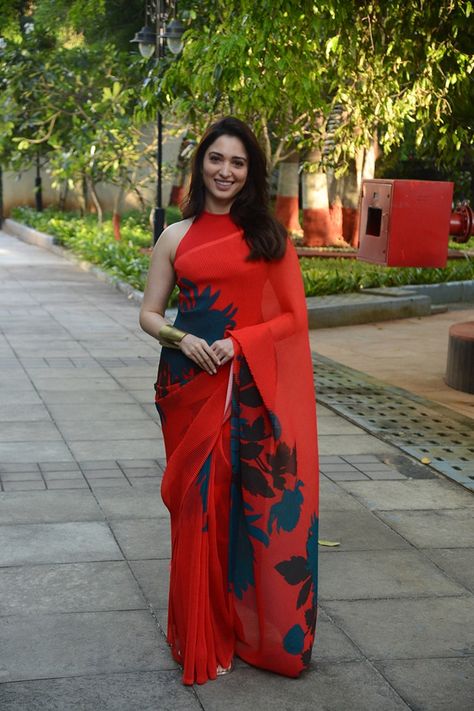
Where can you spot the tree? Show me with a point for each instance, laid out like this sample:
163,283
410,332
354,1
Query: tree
75,105
283,64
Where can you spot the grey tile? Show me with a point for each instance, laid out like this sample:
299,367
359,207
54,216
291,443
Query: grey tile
357,530
117,449
361,458
409,494
73,644
458,563
87,397
70,587
143,538
333,687
106,473
91,464
386,474
109,482
373,466
21,412
36,485
19,467
68,372
67,484
333,498
20,397
143,472
139,463
38,450
132,504
433,684
49,506
444,528
407,629
353,443
21,476
97,411
129,691
46,386
58,466
337,467
63,474
109,429
331,643
336,426
349,475
57,543
153,578
381,574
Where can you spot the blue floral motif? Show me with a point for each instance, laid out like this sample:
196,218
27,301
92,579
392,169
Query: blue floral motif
196,315
293,641
286,512
203,482
295,571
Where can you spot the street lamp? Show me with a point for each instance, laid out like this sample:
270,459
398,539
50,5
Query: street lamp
150,43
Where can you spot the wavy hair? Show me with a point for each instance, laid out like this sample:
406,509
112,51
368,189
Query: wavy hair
265,236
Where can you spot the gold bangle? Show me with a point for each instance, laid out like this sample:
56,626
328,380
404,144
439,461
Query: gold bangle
170,336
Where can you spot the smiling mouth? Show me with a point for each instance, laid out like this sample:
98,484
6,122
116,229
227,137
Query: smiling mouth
224,183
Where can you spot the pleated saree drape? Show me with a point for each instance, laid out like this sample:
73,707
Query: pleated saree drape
241,482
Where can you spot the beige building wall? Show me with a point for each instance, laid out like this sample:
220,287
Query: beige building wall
19,190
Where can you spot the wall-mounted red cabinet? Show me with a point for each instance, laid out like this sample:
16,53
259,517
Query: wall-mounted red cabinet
405,223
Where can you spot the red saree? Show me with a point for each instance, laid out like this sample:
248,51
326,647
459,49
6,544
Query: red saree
241,482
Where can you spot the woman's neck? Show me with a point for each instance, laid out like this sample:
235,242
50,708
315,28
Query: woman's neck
217,207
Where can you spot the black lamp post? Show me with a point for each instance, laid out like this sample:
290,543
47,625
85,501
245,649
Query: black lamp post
38,186
150,42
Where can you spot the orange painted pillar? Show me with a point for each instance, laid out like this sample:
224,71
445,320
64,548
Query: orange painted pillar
287,201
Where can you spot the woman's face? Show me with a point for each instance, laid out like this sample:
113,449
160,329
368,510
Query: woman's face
225,168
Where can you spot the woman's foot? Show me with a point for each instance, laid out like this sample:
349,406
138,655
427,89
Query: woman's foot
224,670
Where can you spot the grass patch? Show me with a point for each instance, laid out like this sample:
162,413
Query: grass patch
125,260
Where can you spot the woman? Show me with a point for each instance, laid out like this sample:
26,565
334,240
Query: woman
236,400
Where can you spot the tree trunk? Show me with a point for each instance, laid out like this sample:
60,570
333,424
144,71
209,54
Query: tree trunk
317,225
351,184
287,201
371,155
63,193
335,202
181,172
1,196
116,215
96,201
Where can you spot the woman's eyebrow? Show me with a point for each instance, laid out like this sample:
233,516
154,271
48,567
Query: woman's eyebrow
216,153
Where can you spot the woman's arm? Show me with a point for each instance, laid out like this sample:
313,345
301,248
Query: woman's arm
161,280
160,283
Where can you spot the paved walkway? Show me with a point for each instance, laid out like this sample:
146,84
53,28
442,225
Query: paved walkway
409,353
84,550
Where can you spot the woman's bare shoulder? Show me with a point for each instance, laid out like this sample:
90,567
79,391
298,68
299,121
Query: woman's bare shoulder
177,229
172,236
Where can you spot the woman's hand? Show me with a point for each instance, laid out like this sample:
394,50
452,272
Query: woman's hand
223,349
198,350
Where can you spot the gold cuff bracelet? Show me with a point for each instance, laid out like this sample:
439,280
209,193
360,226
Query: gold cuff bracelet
170,337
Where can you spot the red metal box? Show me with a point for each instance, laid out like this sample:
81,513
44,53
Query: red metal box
405,223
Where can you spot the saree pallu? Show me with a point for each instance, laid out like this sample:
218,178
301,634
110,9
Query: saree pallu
241,481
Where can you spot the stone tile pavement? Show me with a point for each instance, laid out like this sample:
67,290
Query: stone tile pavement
84,541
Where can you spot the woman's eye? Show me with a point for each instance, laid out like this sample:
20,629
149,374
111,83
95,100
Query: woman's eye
238,165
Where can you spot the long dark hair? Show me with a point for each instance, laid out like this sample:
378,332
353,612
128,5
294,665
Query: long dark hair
265,236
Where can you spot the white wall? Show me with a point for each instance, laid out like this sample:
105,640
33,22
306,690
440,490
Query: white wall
19,191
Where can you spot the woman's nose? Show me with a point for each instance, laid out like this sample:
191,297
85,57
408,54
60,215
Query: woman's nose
225,169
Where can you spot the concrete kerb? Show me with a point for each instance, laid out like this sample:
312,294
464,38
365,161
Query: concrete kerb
323,311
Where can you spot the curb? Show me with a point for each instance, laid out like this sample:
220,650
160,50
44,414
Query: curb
352,309
371,305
